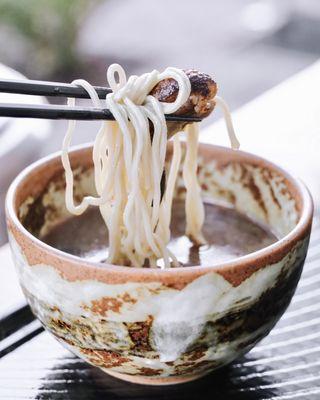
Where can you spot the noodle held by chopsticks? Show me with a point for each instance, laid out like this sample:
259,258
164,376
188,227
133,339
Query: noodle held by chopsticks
128,166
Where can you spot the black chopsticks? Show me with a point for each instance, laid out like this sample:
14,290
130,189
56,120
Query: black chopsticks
42,88
65,112
44,111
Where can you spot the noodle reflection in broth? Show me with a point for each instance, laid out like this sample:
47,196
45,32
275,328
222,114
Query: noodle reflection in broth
128,165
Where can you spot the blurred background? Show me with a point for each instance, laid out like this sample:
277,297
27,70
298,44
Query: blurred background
248,46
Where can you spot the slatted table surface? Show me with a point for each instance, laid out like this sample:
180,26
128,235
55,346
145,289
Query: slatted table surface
285,365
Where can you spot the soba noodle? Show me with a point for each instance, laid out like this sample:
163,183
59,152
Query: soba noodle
128,167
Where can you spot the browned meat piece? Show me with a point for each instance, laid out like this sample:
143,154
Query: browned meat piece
201,101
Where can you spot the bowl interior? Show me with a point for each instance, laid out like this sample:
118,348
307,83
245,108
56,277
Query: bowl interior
249,184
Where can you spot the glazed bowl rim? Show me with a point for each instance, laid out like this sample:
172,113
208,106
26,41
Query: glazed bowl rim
300,230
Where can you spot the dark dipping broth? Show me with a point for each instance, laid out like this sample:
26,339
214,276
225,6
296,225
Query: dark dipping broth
229,234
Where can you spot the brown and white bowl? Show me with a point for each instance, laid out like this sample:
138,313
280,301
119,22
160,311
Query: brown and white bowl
161,326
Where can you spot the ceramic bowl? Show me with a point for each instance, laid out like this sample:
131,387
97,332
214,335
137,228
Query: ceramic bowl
154,326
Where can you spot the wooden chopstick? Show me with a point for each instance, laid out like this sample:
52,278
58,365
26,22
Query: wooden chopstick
69,113
43,88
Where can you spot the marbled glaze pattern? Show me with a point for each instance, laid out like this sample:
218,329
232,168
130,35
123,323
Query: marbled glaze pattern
166,326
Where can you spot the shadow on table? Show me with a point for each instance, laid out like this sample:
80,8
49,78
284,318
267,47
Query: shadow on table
77,380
